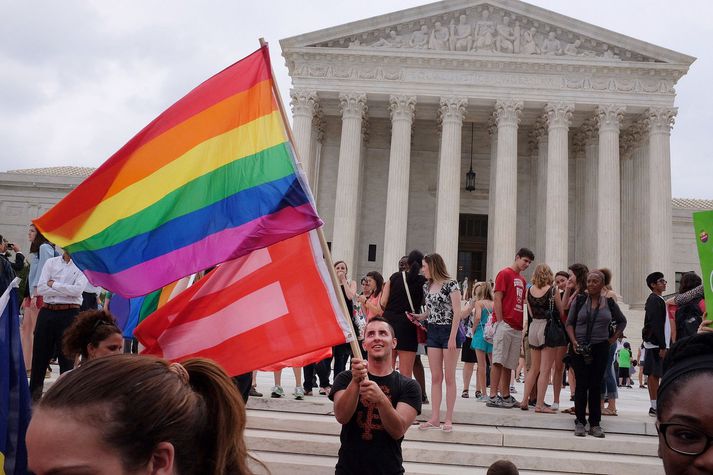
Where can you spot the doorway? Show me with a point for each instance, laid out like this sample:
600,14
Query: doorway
472,247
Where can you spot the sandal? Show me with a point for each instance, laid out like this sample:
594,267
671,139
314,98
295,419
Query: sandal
609,412
447,428
428,426
524,407
568,411
464,394
544,410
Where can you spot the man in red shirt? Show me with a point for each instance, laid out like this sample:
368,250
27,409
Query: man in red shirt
510,288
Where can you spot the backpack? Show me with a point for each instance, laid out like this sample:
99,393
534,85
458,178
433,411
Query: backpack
688,319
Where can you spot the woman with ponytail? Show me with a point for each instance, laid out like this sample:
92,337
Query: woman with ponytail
140,415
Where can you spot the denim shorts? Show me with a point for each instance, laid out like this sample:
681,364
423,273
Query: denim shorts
438,335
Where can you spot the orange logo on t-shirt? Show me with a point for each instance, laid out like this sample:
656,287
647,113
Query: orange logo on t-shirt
371,421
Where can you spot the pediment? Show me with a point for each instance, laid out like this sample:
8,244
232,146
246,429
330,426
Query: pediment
488,27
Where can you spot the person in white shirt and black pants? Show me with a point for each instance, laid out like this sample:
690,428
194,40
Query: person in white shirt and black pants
61,285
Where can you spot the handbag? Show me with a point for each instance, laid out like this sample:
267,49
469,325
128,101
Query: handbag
420,328
490,327
554,331
474,342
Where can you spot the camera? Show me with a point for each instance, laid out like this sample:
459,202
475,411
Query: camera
585,351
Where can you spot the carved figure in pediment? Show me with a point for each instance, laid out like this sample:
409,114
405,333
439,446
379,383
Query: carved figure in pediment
505,40
529,46
608,53
419,38
462,35
392,41
572,49
354,44
518,38
551,45
484,33
439,37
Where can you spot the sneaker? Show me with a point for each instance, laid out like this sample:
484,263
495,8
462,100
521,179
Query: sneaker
277,392
513,390
482,398
509,402
555,406
254,392
579,430
652,412
496,401
597,432
299,393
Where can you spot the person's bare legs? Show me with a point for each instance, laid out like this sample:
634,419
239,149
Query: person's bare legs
481,374
435,362
406,363
496,371
419,375
27,331
277,375
450,361
547,358
531,377
558,372
467,375
298,376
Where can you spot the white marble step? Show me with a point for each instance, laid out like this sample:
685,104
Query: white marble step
300,464
469,434
471,412
455,454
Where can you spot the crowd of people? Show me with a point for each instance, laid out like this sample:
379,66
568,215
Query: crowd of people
559,327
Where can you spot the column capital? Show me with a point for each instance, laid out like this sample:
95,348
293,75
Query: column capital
609,117
579,141
533,141
452,109
304,102
508,111
659,120
492,126
590,130
540,129
402,108
352,105
559,115
627,143
319,125
639,130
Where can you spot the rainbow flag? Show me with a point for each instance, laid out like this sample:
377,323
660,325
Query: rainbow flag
210,179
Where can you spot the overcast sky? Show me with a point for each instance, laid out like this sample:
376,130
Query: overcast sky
79,78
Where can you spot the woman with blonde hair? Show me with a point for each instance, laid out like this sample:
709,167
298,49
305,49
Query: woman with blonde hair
482,312
443,314
543,303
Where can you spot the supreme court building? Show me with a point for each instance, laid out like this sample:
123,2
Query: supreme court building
566,125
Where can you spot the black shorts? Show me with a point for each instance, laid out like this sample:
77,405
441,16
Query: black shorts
467,354
623,372
652,363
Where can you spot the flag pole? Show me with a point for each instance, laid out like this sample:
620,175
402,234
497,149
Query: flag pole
356,350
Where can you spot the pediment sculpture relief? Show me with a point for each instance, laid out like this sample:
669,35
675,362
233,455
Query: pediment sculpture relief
486,29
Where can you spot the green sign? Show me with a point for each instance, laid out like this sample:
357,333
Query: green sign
703,225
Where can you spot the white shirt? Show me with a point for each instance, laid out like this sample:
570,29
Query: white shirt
68,285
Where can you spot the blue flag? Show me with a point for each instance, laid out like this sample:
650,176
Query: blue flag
14,390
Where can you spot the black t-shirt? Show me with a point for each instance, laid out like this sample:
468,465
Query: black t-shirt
366,446
398,301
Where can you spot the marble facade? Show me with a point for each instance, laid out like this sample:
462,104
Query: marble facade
571,137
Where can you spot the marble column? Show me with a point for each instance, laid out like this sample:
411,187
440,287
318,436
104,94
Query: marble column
609,119
450,116
534,151
626,169
401,109
640,223
353,108
578,144
493,133
556,209
505,214
305,105
660,232
541,198
591,171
